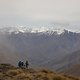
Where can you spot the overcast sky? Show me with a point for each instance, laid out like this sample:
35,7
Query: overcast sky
39,11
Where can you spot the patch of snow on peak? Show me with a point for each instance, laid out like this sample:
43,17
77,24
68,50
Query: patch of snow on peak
46,30
40,29
21,28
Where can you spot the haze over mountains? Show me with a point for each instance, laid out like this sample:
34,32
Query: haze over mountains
43,47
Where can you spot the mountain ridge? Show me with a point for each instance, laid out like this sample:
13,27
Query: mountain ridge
25,29
39,48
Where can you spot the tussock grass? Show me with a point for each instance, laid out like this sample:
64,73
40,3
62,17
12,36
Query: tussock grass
14,72
9,72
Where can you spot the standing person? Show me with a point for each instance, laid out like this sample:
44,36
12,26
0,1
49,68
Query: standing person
20,64
26,64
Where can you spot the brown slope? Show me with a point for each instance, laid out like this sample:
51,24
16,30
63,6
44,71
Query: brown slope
9,72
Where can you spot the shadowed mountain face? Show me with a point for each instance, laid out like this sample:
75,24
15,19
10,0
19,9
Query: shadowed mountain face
74,70
71,64
66,63
41,48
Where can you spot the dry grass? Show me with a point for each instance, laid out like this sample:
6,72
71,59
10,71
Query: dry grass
8,72
14,72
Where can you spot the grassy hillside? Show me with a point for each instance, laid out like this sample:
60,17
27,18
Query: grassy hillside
9,72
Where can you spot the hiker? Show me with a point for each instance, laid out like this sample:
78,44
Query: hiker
26,64
20,64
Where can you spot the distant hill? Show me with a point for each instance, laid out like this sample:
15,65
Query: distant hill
9,72
70,60
67,64
74,70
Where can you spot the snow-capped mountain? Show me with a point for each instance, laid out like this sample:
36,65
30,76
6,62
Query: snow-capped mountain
24,29
32,30
38,45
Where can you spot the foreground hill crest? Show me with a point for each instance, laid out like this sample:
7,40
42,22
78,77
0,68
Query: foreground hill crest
9,72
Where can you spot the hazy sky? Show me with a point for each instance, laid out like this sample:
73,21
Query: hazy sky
39,11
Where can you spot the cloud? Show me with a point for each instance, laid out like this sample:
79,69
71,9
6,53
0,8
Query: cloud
37,10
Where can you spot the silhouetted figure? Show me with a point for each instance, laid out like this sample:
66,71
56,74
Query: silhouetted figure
20,64
26,64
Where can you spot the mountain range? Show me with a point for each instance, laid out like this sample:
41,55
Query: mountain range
57,49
